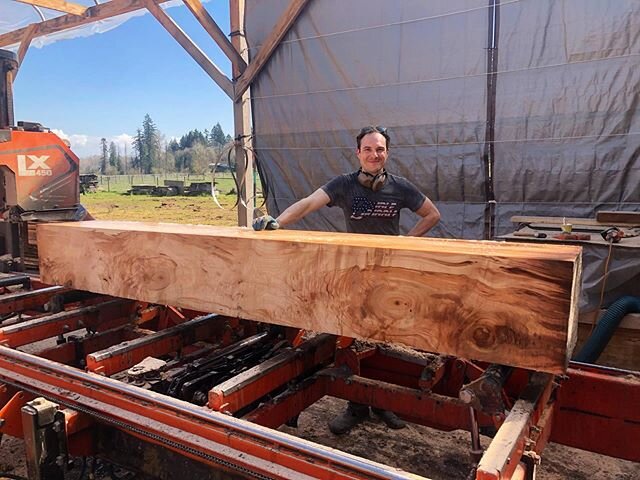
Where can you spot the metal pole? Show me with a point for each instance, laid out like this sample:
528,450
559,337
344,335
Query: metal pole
8,65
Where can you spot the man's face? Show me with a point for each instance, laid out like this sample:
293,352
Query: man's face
372,153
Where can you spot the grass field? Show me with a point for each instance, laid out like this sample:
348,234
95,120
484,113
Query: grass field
116,204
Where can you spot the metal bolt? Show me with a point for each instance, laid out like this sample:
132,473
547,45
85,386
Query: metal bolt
60,460
466,396
57,426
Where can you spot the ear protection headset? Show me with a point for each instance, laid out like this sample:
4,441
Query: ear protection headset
374,182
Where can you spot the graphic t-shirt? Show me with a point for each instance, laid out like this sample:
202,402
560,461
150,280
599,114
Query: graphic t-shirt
366,211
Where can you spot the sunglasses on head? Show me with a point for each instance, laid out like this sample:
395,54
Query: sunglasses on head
372,129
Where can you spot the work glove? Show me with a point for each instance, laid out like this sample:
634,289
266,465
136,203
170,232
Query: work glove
266,222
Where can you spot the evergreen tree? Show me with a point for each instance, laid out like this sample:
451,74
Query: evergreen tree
183,160
192,138
174,146
218,137
139,151
153,153
192,153
119,167
113,155
104,157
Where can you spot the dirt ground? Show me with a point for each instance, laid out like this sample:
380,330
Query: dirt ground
441,455
416,449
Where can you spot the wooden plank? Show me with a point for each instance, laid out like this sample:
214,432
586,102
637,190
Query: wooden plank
64,22
571,220
508,303
192,49
212,28
58,5
283,25
617,217
503,455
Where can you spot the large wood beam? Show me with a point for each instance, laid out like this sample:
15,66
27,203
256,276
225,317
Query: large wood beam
58,5
285,22
192,49
64,22
24,46
242,121
514,304
212,28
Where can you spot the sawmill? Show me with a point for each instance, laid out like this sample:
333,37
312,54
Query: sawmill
191,351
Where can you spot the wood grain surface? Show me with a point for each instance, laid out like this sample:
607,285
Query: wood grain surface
508,303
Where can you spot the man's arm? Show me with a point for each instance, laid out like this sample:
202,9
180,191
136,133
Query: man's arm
304,207
430,218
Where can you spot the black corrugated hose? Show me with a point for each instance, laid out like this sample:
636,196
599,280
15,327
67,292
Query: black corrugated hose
605,328
11,476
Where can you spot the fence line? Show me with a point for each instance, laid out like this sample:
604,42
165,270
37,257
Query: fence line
151,178
123,183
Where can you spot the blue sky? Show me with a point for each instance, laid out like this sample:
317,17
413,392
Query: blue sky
104,84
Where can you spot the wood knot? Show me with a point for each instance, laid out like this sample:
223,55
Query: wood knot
396,304
483,337
491,337
154,273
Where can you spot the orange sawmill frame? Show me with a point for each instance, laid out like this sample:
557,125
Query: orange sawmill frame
422,389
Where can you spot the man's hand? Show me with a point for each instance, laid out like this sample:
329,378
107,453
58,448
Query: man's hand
266,222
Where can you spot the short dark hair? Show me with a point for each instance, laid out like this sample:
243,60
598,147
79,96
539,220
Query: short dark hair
371,129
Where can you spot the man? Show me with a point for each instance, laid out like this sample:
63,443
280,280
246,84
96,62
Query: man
371,199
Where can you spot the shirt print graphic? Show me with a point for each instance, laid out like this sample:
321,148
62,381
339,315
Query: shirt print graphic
363,207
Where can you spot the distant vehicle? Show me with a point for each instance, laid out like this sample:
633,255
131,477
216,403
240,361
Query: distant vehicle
219,168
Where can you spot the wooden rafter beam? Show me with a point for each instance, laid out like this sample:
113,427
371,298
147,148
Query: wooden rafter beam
24,45
285,22
212,28
192,49
245,164
58,5
26,41
65,22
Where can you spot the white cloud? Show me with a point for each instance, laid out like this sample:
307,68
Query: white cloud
60,133
84,145
122,140
78,140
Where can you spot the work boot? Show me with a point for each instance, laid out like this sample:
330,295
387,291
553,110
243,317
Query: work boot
389,418
352,416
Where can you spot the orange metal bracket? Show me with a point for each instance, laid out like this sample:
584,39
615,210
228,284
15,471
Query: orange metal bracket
100,317
10,415
241,390
123,356
20,301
